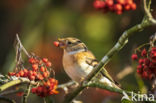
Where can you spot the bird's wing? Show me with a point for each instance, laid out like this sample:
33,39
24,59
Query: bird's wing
106,74
91,60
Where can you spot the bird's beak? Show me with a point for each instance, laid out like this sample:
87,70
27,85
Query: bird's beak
60,43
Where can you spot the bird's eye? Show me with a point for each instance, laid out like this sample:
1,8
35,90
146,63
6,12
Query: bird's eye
69,42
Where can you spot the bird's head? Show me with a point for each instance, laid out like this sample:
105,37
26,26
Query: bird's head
70,44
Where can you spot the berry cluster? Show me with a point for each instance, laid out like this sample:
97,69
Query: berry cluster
117,6
146,63
39,72
47,88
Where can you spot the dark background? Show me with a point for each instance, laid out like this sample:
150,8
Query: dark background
40,22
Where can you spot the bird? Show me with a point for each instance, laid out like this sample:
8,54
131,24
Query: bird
78,61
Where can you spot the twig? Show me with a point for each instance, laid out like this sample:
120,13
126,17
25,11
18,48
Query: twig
26,94
15,82
7,99
66,84
121,43
126,71
18,55
21,46
147,11
44,100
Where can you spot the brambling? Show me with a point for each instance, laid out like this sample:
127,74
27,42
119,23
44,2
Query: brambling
78,61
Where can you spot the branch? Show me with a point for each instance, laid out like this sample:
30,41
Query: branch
120,91
44,100
147,11
21,46
26,94
123,73
15,82
66,84
123,40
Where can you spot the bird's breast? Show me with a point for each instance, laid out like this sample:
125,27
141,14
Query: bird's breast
76,69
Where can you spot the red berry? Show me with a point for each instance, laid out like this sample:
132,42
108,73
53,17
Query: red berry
45,60
21,73
45,74
11,73
40,77
121,2
34,73
56,43
42,69
30,72
127,7
139,67
35,67
48,64
31,77
141,61
154,54
154,49
32,60
134,57
17,75
129,2
47,83
133,6
109,2
118,7
39,90
25,72
33,90
51,80
99,4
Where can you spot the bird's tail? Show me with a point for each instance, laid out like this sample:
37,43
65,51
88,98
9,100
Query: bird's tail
109,83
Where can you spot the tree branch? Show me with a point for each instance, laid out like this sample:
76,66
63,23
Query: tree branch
66,84
26,93
116,90
121,43
21,46
15,82
147,11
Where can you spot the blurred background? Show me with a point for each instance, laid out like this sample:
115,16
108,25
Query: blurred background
40,22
